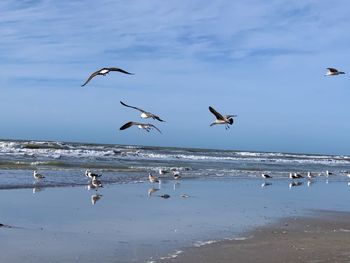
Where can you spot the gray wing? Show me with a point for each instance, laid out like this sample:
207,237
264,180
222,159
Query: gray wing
120,70
91,77
217,115
122,103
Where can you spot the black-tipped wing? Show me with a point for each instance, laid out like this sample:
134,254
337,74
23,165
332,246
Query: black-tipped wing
217,115
91,77
157,118
154,127
122,103
127,125
333,70
119,70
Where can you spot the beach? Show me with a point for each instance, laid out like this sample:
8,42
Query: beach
323,237
219,206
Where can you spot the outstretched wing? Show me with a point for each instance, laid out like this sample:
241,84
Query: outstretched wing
122,103
157,118
120,70
230,116
154,127
91,77
333,70
217,115
127,125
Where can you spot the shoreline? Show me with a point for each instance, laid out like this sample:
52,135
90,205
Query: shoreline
323,236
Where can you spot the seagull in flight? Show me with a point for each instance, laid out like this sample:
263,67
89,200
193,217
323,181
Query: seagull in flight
333,72
145,126
222,119
144,114
104,72
266,176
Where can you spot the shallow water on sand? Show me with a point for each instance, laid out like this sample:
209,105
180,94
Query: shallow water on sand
128,225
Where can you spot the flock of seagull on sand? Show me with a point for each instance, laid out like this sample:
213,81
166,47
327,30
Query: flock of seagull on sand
220,119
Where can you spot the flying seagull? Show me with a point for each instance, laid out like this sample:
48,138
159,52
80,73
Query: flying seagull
144,114
153,179
333,72
104,72
222,119
145,126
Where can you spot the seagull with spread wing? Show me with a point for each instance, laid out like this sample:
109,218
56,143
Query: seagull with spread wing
104,72
145,126
222,119
144,114
333,72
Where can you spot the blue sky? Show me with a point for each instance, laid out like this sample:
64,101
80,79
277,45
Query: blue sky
261,60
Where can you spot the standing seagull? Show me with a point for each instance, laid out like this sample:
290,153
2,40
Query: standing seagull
153,179
222,119
333,72
144,114
38,176
266,176
144,126
104,72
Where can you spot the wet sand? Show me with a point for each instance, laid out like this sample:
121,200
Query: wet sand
323,237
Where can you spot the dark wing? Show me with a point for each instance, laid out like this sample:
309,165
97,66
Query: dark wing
217,115
154,127
127,125
122,103
157,118
333,70
230,116
120,70
91,77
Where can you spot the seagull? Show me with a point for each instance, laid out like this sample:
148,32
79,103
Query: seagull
222,119
176,175
91,175
153,179
328,173
295,176
96,183
263,185
184,196
265,176
163,171
145,126
104,72
144,114
333,72
38,176
310,175
348,174
95,198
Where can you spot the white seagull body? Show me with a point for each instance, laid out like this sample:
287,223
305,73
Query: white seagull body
144,126
104,72
153,179
163,171
328,173
144,114
222,119
38,176
310,175
333,72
